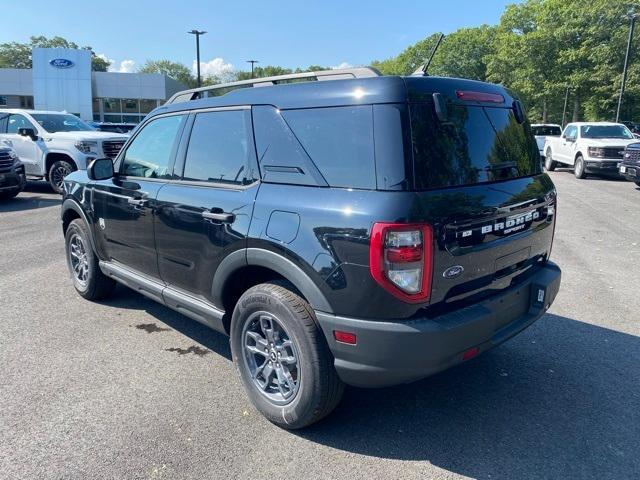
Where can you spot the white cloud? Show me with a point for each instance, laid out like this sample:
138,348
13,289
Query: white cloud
341,66
216,67
127,66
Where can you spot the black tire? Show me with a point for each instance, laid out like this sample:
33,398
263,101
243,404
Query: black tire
578,168
96,285
637,183
315,388
9,195
57,172
549,163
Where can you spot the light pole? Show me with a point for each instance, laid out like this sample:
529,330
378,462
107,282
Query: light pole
252,62
632,18
564,110
197,33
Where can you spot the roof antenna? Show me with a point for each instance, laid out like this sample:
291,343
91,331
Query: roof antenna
423,69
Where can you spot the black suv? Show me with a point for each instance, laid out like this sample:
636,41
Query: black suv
12,175
629,168
368,230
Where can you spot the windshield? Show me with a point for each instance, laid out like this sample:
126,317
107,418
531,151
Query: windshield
605,131
61,122
472,145
546,130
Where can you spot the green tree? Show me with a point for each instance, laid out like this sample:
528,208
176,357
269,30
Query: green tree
175,70
18,55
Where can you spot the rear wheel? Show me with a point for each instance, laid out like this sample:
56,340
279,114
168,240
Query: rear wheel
578,168
88,279
282,356
549,163
637,183
57,172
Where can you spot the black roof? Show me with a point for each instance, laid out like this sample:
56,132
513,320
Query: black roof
357,91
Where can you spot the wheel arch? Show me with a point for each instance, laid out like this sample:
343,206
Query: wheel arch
243,269
69,212
53,157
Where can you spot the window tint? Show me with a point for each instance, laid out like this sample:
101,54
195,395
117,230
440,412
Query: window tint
16,122
474,144
151,151
220,148
281,157
339,141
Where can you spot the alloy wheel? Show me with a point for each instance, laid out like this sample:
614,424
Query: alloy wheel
78,259
58,174
271,357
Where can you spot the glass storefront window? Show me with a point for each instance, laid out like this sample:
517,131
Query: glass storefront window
131,118
3,101
111,105
113,118
147,105
129,105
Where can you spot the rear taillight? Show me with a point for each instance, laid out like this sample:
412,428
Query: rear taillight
400,259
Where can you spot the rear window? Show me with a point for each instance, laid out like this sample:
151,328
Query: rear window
472,145
546,131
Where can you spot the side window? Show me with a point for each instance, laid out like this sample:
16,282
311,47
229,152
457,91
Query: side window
339,141
17,121
572,132
221,148
150,153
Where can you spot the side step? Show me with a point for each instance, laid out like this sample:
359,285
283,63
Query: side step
194,308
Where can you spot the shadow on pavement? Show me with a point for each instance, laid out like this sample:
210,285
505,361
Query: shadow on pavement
562,400
31,202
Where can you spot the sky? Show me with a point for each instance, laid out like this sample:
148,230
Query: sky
286,33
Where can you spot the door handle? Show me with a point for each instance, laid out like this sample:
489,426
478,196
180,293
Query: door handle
222,217
137,202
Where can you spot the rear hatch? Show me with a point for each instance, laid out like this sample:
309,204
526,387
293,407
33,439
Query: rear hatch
479,183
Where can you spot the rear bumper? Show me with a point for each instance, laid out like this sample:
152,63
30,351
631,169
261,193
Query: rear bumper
395,352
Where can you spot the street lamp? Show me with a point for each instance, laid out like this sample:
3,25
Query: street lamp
632,18
252,62
197,33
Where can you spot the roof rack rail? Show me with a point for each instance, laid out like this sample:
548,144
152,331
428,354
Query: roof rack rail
221,89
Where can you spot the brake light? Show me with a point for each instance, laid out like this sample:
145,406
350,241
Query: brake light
471,96
400,259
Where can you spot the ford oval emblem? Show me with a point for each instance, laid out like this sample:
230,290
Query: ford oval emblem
453,272
61,63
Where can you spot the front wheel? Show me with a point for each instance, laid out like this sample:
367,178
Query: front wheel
282,356
578,168
57,172
549,163
637,183
88,279
9,195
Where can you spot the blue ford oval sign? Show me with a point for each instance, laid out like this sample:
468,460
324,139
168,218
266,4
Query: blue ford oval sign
453,272
61,63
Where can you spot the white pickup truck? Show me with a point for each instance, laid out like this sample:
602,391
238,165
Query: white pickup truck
52,144
596,147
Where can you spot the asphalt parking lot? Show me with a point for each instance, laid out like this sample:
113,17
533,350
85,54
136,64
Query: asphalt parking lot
128,389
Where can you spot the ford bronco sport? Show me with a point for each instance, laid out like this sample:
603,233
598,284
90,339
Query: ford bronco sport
342,227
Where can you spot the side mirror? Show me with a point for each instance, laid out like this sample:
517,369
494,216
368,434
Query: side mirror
28,132
100,169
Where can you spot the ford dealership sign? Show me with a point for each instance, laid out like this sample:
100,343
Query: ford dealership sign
61,63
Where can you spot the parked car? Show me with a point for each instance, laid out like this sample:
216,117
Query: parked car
52,144
366,230
113,127
633,127
543,130
595,148
630,166
12,177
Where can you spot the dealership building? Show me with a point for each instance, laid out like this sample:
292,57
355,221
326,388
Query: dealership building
61,79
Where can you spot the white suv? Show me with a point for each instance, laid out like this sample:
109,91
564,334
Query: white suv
53,144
